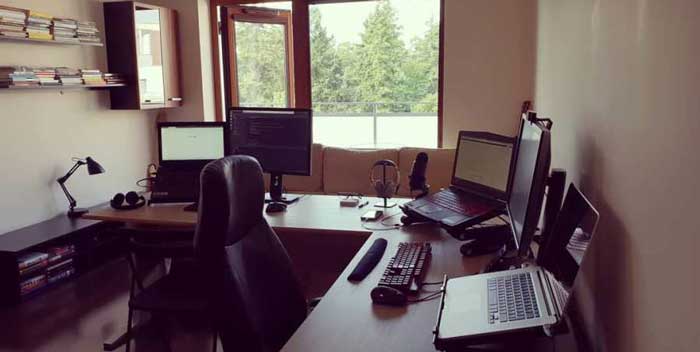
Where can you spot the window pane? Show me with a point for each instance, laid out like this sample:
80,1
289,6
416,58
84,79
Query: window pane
344,131
376,59
261,64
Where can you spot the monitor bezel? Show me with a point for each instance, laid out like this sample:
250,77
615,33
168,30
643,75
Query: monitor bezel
229,122
477,187
185,124
542,167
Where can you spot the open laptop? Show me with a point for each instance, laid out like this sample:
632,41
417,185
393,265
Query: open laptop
480,184
480,306
184,148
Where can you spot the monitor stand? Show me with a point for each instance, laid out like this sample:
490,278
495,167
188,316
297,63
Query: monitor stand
276,191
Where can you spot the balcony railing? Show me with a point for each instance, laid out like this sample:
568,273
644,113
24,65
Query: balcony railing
392,124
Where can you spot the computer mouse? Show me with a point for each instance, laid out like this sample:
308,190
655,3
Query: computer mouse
388,296
275,207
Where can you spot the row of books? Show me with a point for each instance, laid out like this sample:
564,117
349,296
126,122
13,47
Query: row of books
20,76
19,23
39,269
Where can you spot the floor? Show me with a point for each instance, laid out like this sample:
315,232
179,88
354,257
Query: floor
82,314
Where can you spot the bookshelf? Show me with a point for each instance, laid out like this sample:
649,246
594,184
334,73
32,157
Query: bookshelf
45,41
60,87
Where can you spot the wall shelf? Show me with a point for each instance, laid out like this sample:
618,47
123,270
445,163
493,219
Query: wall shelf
63,87
44,41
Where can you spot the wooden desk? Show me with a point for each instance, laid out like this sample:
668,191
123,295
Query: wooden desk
346,319
311,212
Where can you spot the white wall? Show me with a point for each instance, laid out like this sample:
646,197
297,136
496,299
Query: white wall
42,130
489,54
621,78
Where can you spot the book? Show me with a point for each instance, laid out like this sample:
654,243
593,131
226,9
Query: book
12,13
29,259
13,34
59,266
63,252
32,284
41,15
39,267
61,275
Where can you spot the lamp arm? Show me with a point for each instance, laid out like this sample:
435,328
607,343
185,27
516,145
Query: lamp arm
71,200
62,180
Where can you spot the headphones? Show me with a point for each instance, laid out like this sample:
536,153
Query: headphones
385,188
132,199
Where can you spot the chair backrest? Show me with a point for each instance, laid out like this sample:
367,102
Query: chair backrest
257,297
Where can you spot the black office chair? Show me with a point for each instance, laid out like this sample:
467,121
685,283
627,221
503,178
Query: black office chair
179,292
259,301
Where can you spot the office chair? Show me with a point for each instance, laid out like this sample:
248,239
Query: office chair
259,301
179,291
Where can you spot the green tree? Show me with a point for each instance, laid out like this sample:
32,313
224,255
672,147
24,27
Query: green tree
420,82
376,70
261,64
326,68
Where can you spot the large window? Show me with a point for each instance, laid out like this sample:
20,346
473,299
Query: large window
374,73
372,77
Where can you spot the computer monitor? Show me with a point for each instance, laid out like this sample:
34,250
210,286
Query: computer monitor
190,143
280,139
529,182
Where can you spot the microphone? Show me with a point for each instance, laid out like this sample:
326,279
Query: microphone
417,176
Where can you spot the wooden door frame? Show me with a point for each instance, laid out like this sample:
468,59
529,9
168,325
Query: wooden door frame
301,48
263,16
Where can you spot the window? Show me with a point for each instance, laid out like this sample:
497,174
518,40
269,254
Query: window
372,76
374,73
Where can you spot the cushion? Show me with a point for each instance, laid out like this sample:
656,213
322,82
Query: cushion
347,170
438,174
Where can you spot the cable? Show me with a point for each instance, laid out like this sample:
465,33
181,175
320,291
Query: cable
426,298
431,283
382,222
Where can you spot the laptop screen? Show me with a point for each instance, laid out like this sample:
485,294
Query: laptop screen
191,142
484,161
572,233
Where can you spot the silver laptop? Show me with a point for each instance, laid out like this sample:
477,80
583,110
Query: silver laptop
480,306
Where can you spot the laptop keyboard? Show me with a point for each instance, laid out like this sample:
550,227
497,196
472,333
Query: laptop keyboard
461,205
512,298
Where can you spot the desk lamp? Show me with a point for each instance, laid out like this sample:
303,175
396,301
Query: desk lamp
94,168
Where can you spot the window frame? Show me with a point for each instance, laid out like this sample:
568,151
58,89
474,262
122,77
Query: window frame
300,48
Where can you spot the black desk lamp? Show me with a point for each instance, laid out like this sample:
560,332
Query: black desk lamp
94,168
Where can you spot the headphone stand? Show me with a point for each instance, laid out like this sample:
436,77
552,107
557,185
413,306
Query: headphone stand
386,204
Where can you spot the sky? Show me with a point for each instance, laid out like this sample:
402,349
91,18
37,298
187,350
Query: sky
344,20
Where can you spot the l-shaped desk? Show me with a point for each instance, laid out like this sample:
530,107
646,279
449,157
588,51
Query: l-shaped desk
345,319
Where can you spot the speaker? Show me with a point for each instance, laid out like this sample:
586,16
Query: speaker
556,185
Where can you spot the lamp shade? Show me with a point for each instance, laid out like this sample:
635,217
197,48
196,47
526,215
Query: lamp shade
93,166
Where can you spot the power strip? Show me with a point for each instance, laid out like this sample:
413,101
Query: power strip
349,202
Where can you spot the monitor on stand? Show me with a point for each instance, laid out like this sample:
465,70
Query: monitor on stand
527,190
280,139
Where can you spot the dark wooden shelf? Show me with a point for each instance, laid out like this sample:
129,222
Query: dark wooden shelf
44,41
81,86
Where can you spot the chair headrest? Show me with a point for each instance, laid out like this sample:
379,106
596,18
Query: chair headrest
232,197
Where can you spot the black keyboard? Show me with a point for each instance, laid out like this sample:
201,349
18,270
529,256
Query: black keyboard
407,268
512,298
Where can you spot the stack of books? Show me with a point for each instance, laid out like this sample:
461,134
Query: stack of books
15,76
60,263
39,26
92,77
114,78
47,76
69,76
87,32
12,23
31,271
65,30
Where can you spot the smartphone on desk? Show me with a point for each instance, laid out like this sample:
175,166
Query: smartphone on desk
372,215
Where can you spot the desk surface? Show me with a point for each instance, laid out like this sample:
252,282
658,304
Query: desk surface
311,212
346,319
